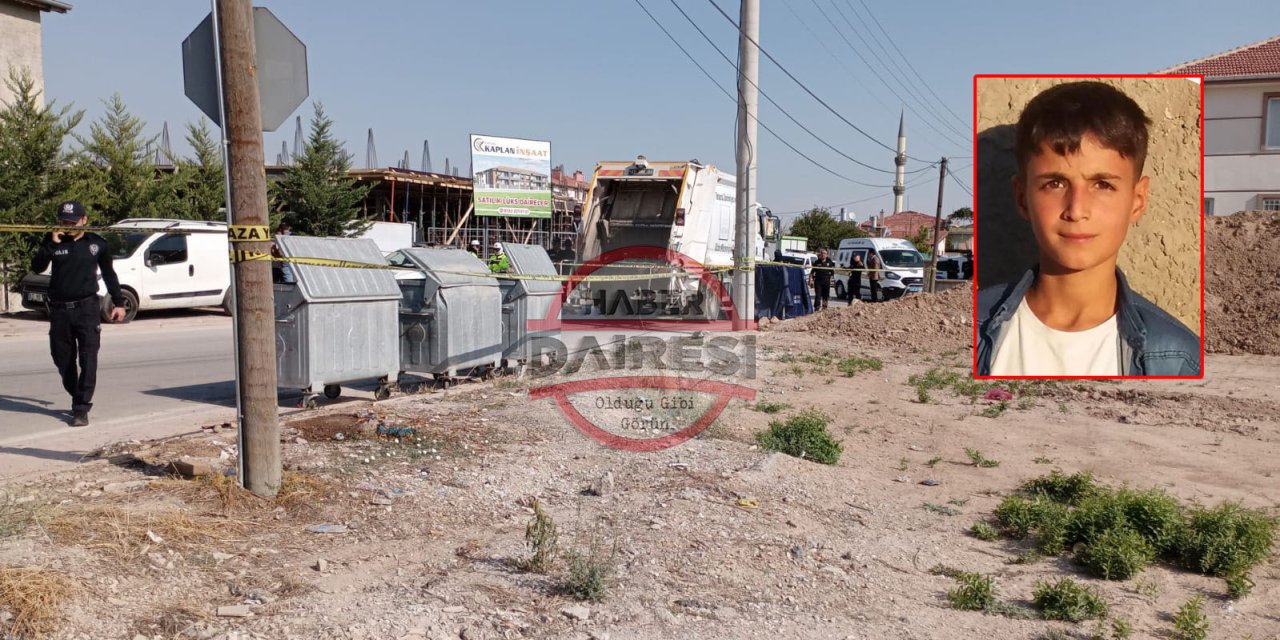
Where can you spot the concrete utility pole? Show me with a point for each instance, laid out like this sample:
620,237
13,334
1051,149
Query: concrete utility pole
748,153
255,311
937,229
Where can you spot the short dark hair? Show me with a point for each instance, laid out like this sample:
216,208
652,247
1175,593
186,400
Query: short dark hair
1062,115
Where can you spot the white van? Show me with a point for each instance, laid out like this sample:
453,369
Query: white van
157,268
905,267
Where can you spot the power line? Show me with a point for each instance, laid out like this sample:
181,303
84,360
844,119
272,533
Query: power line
798,82
771,100
909,65
959,182
914,183
734,99
840,60
901,73
946,135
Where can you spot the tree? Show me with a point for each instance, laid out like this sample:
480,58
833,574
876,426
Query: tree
921,240
32,180
200,178
822,230
316,195
115,176
963,213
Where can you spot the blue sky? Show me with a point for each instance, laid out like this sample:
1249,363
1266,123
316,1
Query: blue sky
602,82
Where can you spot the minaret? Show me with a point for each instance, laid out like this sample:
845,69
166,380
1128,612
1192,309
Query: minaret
899,185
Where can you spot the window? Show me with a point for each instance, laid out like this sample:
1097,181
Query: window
1208,206
1271,203
1271,122
168,250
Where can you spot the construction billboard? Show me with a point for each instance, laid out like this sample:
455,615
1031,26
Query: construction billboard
512,177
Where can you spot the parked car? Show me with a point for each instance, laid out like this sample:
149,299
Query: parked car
903,264
157,268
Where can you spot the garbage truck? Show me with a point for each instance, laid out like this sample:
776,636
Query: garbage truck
686,208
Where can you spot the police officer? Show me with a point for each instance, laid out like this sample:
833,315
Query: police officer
74,320
820,280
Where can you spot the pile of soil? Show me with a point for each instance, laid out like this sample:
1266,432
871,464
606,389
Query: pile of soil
923,322
1242,283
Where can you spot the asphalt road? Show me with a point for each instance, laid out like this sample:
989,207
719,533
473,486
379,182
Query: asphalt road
154,366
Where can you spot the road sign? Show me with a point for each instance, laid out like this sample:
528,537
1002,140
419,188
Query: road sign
281,67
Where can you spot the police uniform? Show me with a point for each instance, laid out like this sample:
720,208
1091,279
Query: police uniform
75,321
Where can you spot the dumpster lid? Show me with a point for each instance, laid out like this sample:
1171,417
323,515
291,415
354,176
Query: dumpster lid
532,260
339,283
449,267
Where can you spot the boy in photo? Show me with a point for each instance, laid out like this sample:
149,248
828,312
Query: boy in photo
1080,151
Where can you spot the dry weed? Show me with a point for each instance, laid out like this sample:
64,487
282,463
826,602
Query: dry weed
33,596
121,533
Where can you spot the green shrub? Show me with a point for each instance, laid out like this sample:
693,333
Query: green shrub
1157,516
1051,533
984,531
980,460
1117,554
853,365
1020,517
1227,540
1121,629
543,540
1066,600
1062,488
766,406
589,576
803,436
975,592
1191,623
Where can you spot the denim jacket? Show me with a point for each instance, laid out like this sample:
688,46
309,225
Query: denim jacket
1152,342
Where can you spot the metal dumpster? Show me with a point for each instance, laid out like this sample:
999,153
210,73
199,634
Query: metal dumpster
450,322
335,324
525,300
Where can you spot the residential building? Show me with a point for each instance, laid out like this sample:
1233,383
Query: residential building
504,177
1241,127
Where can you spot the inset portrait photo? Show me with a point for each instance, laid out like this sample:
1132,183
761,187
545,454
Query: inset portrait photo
1088,227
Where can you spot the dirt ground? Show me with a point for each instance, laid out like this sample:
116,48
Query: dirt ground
711,539
1242,283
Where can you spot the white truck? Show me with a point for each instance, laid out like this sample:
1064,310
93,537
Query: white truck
903,264
684,207
161,264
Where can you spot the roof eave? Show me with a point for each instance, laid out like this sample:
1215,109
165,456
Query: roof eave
1247,77
47,5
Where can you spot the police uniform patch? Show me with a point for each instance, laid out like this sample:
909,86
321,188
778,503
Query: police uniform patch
93,248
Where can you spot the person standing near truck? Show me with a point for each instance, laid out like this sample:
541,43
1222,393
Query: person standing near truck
820,280
855,277
75,320
875,271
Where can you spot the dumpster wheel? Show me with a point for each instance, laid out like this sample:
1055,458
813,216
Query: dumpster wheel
332,391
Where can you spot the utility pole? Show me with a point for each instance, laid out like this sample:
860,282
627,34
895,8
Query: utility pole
937,229
748,153
255,308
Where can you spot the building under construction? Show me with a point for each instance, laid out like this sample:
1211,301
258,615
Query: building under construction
441,206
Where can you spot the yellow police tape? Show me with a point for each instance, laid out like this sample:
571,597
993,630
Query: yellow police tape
48,228
254,256
248,233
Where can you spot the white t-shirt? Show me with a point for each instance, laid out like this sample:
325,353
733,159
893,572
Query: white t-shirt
1030,348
